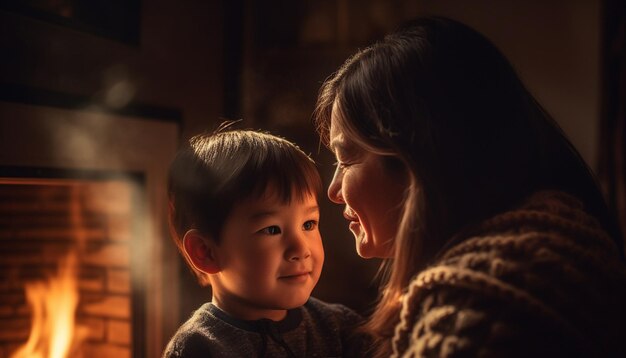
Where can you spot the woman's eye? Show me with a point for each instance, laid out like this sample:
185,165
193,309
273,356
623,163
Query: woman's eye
270,230
309,225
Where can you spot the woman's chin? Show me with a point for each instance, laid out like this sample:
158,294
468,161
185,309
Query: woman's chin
364,247
367,248
361,253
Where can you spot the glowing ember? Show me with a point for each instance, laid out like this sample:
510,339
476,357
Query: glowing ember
53,331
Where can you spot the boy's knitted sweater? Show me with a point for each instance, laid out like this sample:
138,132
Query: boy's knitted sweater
317,329
543,280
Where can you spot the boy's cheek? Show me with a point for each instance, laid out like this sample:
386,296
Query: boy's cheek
322,253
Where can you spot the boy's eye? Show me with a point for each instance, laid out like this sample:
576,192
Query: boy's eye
309,225
270,230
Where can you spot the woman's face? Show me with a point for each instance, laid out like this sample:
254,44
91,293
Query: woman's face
371,192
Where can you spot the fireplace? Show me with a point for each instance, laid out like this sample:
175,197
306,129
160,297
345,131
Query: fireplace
50,216
82,210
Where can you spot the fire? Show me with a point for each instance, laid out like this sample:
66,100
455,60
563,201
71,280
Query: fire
53,303
54,333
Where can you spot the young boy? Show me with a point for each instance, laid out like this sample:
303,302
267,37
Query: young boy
244,215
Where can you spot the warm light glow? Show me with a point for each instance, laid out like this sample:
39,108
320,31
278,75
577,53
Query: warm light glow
53,305
53,302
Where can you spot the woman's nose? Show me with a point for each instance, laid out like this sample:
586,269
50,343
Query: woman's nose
334,189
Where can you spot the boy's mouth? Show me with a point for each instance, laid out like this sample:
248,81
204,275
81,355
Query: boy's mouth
299,273
296,277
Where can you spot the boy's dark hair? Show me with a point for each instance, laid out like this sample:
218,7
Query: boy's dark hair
214,172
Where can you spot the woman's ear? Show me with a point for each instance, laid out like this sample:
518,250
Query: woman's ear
200,250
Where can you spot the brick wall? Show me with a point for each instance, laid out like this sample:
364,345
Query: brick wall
40,223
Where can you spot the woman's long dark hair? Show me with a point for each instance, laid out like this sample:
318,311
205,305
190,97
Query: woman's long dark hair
442,99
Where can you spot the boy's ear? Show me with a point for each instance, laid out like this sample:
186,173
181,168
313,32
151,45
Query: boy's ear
200,250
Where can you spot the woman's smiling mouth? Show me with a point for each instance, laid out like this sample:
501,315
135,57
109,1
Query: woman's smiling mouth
350,215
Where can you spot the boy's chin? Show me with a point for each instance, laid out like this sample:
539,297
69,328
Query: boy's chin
295,302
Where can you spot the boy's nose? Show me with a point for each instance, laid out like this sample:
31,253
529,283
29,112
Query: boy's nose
298,248
298,257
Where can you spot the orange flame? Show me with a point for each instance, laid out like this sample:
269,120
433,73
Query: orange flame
53,304
54,333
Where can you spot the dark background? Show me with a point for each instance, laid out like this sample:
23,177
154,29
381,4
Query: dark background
198,62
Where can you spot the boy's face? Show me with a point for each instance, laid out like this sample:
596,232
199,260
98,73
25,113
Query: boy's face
270,255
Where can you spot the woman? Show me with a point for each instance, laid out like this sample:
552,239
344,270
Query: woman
498,239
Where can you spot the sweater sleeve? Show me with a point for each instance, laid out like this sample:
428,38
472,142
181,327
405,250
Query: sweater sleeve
540,281
454,321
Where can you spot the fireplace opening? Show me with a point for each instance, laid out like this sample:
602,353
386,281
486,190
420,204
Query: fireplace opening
70,263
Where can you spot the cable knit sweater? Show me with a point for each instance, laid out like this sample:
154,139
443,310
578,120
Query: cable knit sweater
542,280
